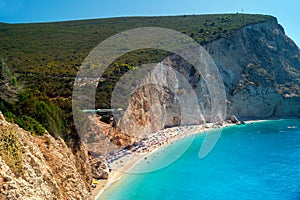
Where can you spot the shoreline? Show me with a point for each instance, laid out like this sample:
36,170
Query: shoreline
128,162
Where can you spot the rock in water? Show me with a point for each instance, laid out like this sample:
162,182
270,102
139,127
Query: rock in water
234,119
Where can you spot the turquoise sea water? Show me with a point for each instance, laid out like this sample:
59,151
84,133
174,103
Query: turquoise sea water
253,161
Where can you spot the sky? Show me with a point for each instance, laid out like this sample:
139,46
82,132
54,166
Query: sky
27,11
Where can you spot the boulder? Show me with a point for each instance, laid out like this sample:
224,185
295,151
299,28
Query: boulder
2,118
98,170
234,119
105,175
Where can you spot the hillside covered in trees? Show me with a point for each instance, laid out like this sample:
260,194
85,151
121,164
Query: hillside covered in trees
40,62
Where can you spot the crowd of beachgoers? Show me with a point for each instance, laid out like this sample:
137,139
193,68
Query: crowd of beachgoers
155,140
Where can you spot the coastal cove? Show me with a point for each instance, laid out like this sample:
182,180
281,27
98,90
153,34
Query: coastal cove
255,160
150,105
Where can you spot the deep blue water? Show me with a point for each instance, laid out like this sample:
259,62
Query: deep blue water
253,161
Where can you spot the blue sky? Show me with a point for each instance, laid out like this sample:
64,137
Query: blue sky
23,11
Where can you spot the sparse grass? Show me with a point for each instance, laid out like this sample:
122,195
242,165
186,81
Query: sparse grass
10,149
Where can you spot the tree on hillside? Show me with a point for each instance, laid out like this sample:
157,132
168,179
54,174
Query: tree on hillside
9,87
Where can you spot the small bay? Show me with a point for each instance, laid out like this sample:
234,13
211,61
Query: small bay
251,161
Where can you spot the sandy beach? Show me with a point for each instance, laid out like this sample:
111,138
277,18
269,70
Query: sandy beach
123,164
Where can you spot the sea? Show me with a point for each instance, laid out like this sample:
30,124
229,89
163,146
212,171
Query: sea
258,160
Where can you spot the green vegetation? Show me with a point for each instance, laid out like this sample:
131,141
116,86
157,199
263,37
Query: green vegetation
54,51
104,89
10,149
45,57
35,112
31,110
9,87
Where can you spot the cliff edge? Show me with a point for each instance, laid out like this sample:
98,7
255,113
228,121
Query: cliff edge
40,167
260,69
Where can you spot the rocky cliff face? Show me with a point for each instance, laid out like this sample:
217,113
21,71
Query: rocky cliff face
164,98
49,169
260,68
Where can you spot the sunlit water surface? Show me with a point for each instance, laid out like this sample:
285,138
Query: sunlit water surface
252,161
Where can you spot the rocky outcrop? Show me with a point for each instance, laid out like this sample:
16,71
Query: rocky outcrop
234,119
1,117
50,169
99,170
164,98
260,68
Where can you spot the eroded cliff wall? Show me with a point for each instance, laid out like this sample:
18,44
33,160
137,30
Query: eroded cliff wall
47,168
260,69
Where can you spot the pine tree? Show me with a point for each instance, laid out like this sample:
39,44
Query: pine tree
9,87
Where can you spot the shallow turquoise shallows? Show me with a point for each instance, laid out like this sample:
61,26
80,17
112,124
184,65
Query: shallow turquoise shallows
252,161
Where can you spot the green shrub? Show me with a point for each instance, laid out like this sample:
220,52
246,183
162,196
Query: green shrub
10,150
25,122
32,125
36,113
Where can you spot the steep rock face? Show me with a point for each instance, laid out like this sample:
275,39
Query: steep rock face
146,112
50,169
260,68
164,98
